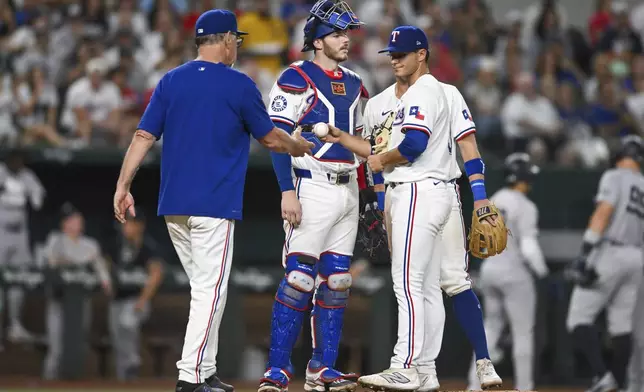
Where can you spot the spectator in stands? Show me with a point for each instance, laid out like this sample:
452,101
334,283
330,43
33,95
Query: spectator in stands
8,132
128,17
92,111
7,22
542,21
620,39
37,101
381,65
600,21
95,17
635,105
484,98
580,145
609,116
528,116
267,38
69,247
138,273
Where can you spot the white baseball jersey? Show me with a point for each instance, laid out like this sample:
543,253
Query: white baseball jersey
521,217
329,98
460,122
423,107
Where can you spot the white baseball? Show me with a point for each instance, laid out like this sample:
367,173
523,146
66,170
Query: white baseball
321,129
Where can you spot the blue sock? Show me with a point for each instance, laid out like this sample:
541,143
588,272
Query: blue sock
468,311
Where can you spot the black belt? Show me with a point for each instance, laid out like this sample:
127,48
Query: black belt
395,184
339,178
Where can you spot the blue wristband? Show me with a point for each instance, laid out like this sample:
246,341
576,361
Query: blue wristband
381,200
474,166
478,190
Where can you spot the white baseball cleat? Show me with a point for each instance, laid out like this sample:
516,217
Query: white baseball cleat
428,382
392,380
320,378
487,375
606,383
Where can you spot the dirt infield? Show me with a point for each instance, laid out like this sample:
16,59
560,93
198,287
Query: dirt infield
167,385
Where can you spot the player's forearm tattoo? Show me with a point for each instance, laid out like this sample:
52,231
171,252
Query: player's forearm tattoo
141,144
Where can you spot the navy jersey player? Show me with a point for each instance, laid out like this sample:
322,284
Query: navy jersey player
206,112
319,201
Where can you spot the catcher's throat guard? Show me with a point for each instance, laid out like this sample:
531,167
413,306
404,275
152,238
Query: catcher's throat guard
486,240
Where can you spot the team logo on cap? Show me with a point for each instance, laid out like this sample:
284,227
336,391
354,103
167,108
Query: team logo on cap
279,103
200,31
338,88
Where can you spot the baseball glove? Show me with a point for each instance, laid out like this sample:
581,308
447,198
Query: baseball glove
372,234
486,240
380,134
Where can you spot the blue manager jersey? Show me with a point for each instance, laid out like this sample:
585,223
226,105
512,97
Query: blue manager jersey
206,113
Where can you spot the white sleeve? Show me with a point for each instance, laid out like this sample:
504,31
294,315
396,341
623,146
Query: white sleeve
359,123
286,107
533,256
366,120
528,232
76,97
462,121
418,113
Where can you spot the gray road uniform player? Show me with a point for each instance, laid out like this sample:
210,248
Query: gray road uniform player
507,280
19,188
69,247
611,267
636,367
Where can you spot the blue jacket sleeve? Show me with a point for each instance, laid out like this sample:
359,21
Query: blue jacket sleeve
414,143
282,164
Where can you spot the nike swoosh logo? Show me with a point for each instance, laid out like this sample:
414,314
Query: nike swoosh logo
437,182
386,113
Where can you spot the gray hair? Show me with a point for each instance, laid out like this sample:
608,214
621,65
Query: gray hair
210,39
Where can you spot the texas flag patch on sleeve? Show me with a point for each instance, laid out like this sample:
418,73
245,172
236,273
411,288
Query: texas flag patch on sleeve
416,112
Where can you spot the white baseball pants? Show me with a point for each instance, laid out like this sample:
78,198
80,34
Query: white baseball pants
450,250
205,247
419,211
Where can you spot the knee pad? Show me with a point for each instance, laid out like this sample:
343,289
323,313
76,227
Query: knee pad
334,289
296,289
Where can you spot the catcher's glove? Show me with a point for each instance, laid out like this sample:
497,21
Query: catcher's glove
486,240
372,234
579,273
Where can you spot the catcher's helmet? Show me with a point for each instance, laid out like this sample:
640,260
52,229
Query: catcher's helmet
632,147
518,167
327,16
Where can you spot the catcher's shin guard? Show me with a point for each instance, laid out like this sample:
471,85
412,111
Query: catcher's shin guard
291,301
331,299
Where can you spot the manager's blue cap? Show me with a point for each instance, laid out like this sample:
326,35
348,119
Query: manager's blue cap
406,39
216,21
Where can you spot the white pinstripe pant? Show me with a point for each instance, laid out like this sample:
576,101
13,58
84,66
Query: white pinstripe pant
205,247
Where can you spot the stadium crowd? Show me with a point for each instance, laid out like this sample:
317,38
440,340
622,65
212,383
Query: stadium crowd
79,74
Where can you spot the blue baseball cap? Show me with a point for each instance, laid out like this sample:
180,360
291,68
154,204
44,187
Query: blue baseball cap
406,39
216,21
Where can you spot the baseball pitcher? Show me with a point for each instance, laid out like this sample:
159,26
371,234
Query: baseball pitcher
420,200
319,202
19,188
507,280
451,249
608,272
206,112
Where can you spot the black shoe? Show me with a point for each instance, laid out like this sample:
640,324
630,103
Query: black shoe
216,383
183,386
